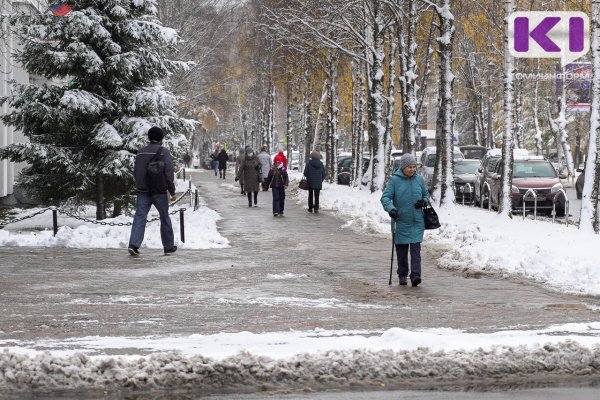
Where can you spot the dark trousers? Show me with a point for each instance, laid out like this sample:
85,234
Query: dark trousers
415,259
278,199
222,173
142,204
313,194
250,198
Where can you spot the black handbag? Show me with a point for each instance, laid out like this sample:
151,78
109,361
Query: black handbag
303,184
431,218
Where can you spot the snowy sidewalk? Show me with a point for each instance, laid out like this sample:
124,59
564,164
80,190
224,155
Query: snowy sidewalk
303,271
297,274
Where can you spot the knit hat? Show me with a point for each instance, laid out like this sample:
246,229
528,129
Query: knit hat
155,134
315,155
407,160
242,150
249,150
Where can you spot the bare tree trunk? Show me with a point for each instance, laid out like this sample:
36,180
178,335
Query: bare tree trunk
375,109
536,120
445,124
505,201
589,219
408,76
288,127
100,206
332,121
389,119
317,135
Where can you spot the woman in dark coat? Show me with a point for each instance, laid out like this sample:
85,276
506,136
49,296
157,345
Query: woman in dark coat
222,158
315,175
249,173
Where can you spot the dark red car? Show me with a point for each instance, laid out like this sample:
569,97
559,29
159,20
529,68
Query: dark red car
533,173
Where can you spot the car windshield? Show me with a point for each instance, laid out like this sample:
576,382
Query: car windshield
474,153
430,161
466,167
523,169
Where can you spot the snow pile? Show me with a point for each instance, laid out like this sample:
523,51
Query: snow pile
200,229
331,368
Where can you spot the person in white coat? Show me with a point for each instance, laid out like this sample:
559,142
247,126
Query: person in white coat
264,158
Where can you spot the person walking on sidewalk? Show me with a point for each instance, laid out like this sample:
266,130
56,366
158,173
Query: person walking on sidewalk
215,160
404,198
315,175
265,166
222,159
250,173
278,182
238,162
154,180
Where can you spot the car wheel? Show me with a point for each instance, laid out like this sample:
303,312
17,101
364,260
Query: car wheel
560,212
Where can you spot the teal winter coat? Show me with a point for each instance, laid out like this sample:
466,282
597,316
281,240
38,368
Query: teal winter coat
401,193
315,174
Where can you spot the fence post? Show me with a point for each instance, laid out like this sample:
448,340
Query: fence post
54,221
184,173
196,200
181,225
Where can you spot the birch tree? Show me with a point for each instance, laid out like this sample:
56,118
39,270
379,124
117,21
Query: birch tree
589,200
505,201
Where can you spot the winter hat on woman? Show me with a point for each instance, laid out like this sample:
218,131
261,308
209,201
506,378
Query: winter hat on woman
407,160
249,150
155,134
315,155
242,150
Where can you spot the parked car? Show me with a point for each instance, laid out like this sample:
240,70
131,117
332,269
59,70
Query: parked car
345,167
473,152
487,167
534,173
426,164
464,172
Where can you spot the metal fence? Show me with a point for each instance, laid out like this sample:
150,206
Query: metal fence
193,198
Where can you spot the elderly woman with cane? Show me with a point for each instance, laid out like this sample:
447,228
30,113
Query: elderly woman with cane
404,198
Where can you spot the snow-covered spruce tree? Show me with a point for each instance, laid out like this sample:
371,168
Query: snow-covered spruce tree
105,65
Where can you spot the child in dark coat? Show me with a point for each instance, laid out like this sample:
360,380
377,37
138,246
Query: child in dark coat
278,182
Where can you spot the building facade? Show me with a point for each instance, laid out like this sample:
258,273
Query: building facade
10,71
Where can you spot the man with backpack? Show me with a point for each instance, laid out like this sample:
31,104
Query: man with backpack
154,181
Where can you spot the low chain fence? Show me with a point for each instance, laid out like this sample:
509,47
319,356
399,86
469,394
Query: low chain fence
193,199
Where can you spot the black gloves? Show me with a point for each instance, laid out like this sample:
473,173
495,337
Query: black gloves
393,214
421,204
237,179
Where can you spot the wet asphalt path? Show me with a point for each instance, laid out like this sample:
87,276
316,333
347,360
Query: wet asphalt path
61,293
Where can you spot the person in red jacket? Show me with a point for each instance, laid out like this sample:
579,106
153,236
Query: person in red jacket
282,158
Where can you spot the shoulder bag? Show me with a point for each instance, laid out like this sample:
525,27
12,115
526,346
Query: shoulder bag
303,184
431,218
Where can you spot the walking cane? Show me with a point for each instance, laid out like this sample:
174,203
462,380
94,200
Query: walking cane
393,245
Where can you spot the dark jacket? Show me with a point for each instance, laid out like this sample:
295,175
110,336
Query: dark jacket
143,157
222,157
249,173
315,174
278,177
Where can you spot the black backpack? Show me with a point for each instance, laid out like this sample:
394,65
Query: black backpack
156,181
